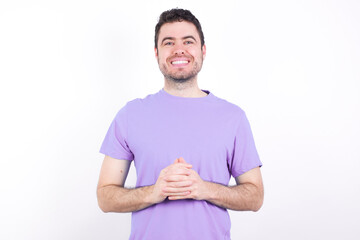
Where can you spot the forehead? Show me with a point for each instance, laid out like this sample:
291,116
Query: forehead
178,30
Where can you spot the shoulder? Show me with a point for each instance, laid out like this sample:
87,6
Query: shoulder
136,107
141,102
227,107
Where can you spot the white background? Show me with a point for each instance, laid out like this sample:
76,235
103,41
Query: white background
67,67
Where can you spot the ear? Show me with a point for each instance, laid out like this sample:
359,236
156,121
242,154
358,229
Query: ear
156,52
204,51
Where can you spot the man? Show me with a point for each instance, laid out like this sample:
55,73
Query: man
186,143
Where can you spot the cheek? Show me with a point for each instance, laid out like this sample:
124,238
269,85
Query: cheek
195,52
163,57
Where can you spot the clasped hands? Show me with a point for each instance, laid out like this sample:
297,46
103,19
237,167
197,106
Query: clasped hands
179,181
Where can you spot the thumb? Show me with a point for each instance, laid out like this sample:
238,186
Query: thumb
181,160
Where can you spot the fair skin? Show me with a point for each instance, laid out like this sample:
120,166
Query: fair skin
179,42
177,181
113,197
180,56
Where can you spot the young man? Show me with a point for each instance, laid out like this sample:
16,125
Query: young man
186,143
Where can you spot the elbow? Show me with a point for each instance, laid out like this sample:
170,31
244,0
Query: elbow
259,202
101,201
258,199
103,208
257,206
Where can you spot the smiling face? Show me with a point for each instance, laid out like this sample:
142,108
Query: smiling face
179,52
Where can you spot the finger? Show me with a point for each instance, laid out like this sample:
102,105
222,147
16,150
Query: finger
179,184
175,178
178,171
182,193
179,197
182,164
175,190
181,160
179,165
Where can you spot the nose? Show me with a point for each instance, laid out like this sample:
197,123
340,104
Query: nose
179,51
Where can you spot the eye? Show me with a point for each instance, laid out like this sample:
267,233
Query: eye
188,42
168,43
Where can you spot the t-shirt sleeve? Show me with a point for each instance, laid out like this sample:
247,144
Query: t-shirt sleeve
245,156
115,142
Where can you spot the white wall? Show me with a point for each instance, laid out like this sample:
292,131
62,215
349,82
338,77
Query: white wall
66,67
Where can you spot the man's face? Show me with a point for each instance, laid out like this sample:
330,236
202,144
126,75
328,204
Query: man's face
179,51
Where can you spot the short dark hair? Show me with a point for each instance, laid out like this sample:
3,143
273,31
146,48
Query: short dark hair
177,14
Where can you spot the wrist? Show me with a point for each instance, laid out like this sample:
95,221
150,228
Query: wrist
209,193
151,197
148,198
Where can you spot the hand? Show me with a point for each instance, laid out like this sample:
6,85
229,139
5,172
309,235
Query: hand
178,170
189,186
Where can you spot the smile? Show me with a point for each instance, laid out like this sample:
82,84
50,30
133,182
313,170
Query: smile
179,62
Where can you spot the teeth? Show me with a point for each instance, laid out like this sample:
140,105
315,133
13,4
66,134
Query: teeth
179,62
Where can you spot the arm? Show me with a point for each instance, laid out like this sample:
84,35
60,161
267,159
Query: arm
114,197
248,194
111,194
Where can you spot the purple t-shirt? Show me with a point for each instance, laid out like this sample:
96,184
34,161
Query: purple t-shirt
208,132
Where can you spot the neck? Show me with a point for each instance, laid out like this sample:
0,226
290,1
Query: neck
188,89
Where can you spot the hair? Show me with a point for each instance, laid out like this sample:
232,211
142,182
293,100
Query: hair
177,14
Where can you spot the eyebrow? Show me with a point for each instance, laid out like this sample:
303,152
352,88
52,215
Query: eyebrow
172,38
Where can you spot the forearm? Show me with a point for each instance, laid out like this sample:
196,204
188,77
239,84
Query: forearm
114,198
243,197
